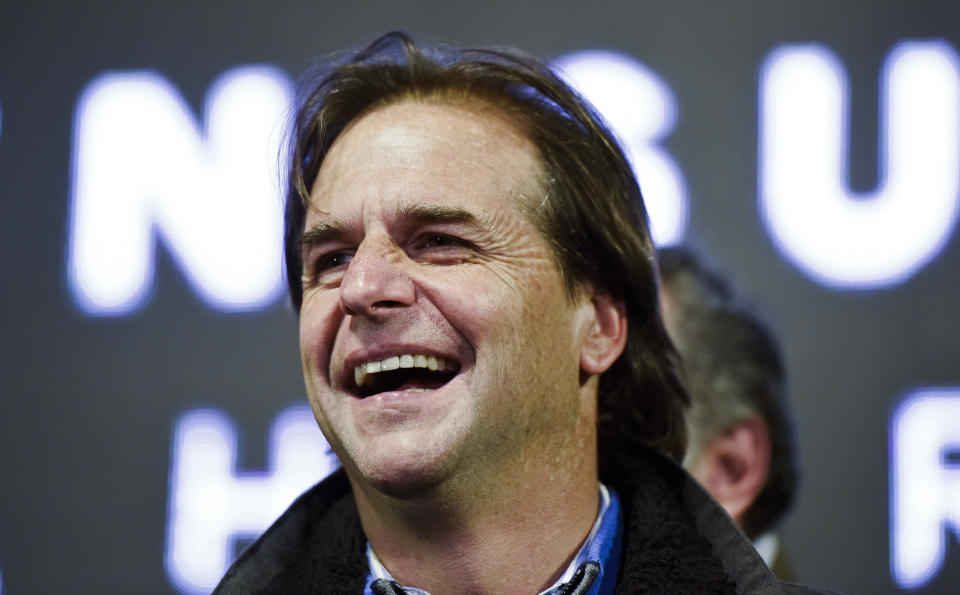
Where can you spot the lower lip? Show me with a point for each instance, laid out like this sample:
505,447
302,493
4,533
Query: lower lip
401,401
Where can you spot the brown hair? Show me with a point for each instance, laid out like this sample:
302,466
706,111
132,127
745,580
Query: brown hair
592,216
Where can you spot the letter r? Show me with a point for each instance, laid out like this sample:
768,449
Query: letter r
925,486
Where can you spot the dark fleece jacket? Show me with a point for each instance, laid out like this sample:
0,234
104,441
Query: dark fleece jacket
676,540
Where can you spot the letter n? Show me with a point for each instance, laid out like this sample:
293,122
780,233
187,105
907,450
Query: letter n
143,170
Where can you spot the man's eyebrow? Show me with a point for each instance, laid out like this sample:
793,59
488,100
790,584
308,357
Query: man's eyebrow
417,212
428,213
323,231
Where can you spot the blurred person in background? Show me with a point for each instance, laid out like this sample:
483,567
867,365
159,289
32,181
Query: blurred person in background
741,434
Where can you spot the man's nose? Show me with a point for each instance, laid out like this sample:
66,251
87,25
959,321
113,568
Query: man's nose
376,281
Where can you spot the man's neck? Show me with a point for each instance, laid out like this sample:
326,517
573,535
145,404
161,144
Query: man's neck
507,536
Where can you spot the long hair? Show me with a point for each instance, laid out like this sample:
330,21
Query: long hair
592,216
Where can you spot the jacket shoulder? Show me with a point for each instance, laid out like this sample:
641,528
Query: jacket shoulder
316,545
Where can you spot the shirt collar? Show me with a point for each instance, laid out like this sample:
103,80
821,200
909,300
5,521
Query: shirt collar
598,546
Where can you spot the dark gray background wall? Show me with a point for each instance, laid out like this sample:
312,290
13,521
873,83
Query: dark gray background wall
88,403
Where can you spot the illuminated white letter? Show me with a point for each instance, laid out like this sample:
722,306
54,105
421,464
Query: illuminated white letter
882,238
143,169
641,110
925,484
211,503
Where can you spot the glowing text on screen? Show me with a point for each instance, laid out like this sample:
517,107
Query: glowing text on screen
146,172
211,503
878,239
143,170
925,487
641,110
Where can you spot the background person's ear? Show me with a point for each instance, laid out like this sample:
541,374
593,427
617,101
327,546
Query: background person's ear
734,465
607,335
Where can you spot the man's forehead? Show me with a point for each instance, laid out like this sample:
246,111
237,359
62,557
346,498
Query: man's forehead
415,151
453,129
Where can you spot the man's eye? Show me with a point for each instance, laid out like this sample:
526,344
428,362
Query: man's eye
326,270
436,241
438,248
439,240
333,261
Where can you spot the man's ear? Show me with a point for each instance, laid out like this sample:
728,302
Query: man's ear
735,464
606,336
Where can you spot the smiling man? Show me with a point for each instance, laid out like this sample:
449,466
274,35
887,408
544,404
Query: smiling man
481,345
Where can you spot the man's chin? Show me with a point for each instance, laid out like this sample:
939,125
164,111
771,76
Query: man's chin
404,476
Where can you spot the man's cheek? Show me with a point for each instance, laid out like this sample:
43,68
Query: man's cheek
318,331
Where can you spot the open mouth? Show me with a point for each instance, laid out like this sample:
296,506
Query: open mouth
407,372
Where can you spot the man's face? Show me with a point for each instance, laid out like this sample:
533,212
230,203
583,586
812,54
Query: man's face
419,263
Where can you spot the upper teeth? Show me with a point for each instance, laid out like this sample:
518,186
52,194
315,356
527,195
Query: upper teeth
430,362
